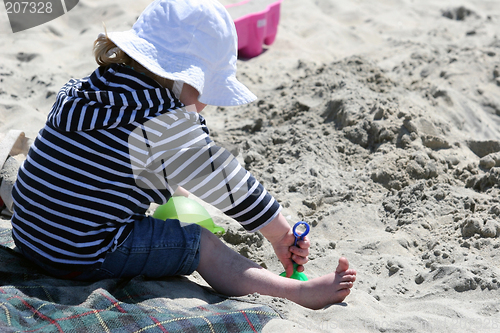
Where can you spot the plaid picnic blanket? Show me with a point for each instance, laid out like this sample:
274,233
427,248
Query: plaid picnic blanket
33,302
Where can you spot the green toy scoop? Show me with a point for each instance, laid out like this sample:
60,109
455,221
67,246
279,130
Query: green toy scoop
296,274
187,211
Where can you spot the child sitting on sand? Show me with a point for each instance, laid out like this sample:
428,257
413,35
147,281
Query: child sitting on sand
130,134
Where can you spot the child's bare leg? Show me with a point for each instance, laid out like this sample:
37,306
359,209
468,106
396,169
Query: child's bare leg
234,275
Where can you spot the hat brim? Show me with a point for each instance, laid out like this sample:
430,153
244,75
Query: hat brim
230,92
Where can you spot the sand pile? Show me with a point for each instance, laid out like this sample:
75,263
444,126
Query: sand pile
392,156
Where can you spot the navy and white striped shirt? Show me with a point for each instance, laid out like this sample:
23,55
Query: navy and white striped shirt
114,142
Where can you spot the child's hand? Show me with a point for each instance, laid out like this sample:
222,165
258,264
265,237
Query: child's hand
280,234
287,253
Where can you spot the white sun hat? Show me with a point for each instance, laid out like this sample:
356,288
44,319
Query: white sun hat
192,41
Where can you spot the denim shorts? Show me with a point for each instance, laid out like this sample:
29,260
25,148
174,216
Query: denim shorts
154,248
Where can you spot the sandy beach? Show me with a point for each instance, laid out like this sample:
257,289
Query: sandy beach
377,122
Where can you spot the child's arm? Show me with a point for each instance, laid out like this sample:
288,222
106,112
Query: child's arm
280,234
187,157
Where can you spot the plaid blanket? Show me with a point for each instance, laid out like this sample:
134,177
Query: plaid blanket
33,302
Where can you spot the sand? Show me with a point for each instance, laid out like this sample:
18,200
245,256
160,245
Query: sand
377,122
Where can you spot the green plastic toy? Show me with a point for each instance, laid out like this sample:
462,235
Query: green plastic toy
298,275
187,211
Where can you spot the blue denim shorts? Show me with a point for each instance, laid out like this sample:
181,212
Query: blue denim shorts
154,248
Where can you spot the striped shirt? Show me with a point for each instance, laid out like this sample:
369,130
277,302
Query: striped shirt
114,142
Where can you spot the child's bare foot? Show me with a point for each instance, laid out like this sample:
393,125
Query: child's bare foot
328,289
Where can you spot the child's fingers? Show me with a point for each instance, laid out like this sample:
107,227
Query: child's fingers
299,260
299,251
300,268
304,243
288,265
299,255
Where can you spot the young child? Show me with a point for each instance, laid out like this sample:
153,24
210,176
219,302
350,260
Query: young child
131,134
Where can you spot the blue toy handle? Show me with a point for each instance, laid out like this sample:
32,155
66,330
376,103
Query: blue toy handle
302,235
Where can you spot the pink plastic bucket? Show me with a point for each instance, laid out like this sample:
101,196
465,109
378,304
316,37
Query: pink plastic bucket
255,29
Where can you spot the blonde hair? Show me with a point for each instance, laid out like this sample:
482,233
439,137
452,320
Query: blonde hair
106,53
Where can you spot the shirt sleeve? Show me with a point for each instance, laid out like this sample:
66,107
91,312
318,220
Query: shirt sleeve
181,153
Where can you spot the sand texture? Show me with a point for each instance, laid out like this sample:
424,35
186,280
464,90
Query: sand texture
378,122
